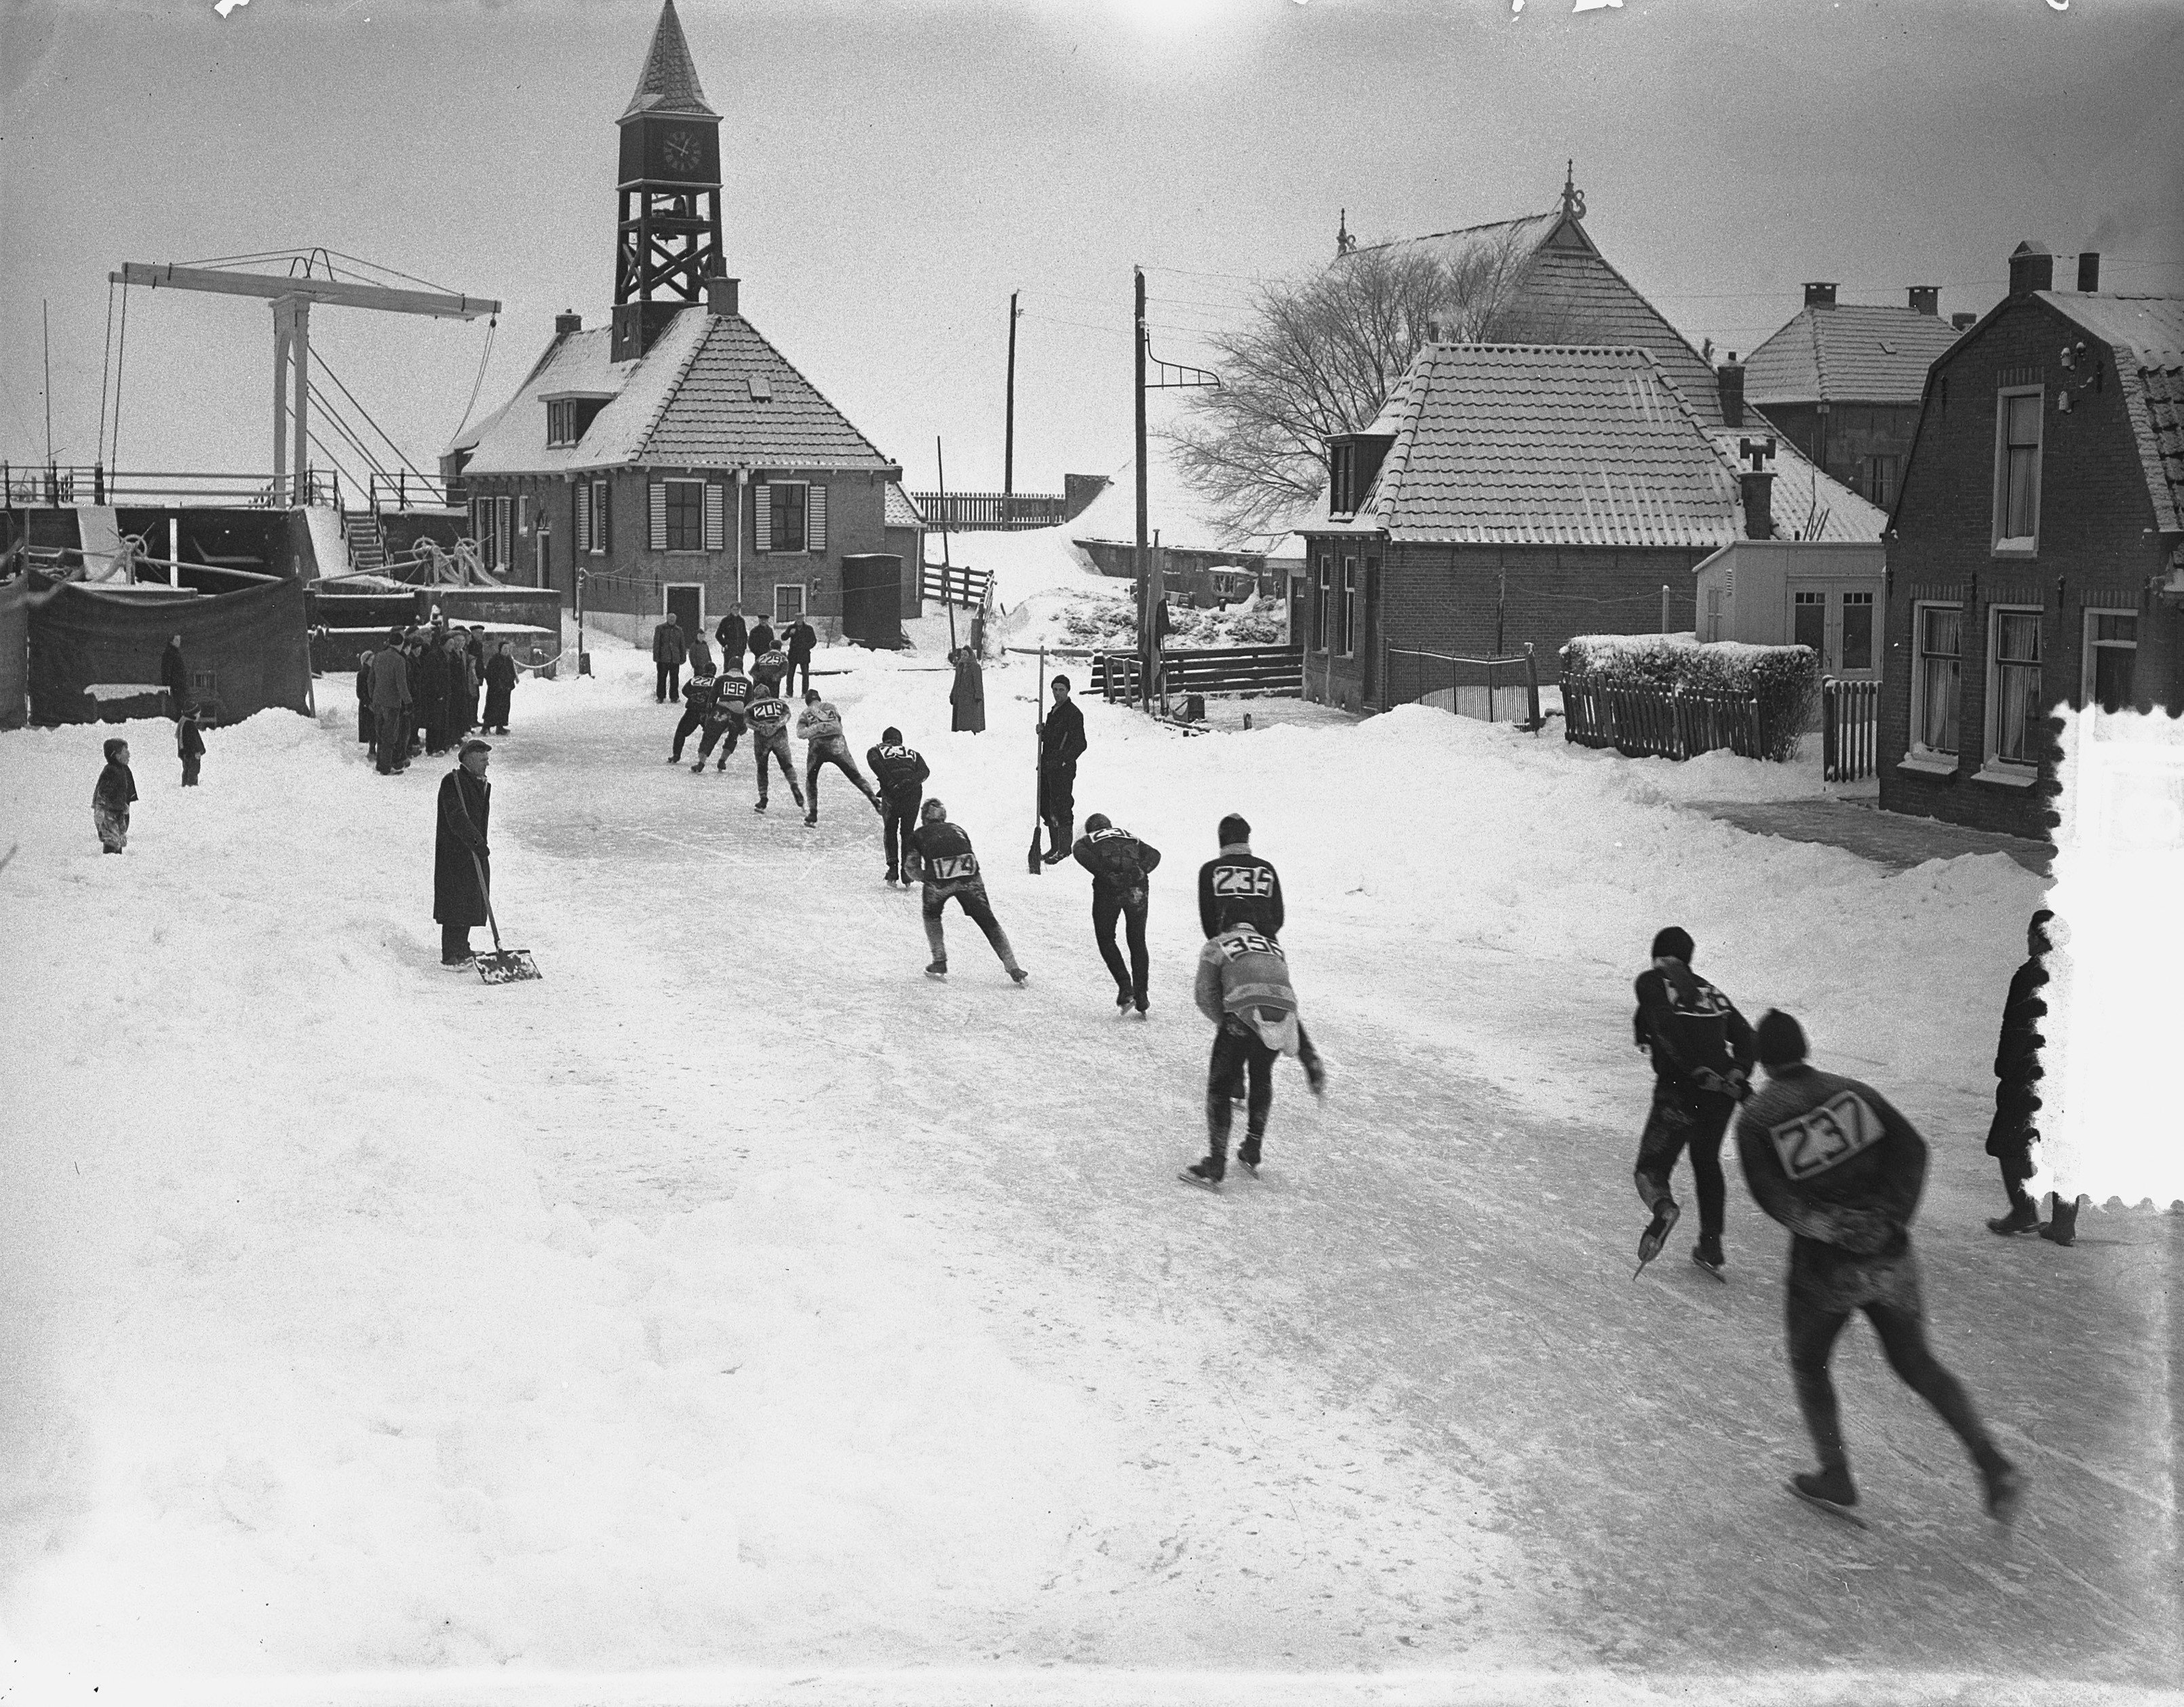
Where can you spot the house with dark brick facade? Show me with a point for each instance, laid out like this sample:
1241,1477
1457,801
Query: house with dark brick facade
1843,382
676,455
2036,556
1512,495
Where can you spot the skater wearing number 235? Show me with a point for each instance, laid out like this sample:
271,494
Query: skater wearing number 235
1833,1162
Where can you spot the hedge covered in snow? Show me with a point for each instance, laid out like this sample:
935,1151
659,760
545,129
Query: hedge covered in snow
1784,680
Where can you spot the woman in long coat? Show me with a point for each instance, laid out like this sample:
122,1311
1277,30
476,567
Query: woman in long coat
367,724
500,684
969,696
462,863
429,682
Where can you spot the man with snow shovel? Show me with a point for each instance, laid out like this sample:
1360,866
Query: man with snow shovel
462,862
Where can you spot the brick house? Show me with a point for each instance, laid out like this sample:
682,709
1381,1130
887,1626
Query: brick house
2038,551
1843,382
676,455
1515,494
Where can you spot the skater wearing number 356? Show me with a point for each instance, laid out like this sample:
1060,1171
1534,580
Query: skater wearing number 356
1243,988
1833,1162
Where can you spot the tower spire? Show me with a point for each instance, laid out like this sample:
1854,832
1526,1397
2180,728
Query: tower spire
669,82
1572,197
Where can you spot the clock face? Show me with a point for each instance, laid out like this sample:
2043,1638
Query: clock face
680,152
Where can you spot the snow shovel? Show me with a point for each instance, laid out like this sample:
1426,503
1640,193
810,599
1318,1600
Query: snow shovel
1035,863
503,965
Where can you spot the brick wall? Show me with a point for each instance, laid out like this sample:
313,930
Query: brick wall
2094,549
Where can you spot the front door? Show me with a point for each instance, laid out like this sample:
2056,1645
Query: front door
686,599
1368,642
545,567
1837,622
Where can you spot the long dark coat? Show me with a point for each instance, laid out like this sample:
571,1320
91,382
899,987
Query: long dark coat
428,681
2017,1069
175,674
462,693
500,684
364,720
466,807
969,696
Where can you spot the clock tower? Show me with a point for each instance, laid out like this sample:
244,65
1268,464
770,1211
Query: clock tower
667,242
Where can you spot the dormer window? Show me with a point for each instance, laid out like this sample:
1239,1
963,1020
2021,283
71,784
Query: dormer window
569,417
1343,476
1353,463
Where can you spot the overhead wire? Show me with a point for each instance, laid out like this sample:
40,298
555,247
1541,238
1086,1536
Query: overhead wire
384,434
105,372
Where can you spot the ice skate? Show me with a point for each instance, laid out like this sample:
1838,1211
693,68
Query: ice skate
1707,1253
1247,1156
1201,1173
1828,1490
2025,1218
698,769
1017,974
938,969
761,805
2005,1492
1121,999
1656,1234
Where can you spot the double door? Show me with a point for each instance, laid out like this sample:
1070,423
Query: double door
1839,624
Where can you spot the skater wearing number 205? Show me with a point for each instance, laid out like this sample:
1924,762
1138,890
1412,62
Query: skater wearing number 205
1833,1162
1701,1051
1243,988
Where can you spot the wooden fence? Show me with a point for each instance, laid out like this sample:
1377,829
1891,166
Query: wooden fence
1850,722
1654,722
989,512
1244,671
953,585
1496,690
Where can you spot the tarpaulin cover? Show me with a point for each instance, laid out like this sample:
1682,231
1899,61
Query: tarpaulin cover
872,600
14,637
251,643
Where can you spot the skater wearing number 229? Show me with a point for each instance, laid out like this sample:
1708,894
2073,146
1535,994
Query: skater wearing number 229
941,853
1243,988
1833,1162
1701,1051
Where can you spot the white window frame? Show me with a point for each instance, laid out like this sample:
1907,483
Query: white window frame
2090,649
1870,603
2022,544
666,525
1923,755
1322,630
561,422
782,619
815,520
1994,766
1347,603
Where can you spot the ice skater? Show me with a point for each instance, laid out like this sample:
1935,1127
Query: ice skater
1121,866
731,693
819,727
900,773
1061,744
766,717
112,796
767,668
1701,1051
1832,1161
1243,988
1237,884
697,707
940,853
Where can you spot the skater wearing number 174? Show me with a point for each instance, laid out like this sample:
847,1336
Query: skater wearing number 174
1243,988
941,854
1833,1162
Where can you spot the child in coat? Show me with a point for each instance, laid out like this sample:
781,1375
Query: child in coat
111,799
189,743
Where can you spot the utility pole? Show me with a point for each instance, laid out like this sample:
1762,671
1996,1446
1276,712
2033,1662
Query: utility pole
46,320
1009,440
1173,377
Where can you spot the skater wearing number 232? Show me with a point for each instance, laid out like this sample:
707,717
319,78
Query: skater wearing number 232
1833,1162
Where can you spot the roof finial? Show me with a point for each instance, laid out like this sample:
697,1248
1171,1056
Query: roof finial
1345,239
1572,197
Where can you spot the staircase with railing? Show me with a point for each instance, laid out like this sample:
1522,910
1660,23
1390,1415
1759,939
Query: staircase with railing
367,545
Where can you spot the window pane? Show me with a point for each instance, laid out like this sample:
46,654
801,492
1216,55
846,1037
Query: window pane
2112,672
787,515
2024,419
2017,710
1944,631
1808,620
1937,711
2107,627
2017,637
1858,631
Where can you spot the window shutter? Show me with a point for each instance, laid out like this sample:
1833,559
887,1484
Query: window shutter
715,533
583,516
816,517
762,517
657,534
602,517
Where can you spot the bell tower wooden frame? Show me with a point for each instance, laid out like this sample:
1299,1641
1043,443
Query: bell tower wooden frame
667,238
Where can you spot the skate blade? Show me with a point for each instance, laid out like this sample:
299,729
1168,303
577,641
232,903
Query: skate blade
1709,1268
1250,1167
937,976
1841,1514
1197,1179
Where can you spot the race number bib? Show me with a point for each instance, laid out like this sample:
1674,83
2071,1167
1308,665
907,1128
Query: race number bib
1818,1140
952,867
1243,882
1703,998
1236,943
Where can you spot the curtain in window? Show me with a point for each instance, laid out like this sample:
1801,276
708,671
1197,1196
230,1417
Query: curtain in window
2021,513
1940,641
2017,685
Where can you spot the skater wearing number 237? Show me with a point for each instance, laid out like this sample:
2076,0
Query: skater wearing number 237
1833,1162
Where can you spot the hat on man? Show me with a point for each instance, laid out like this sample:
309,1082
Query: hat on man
1778,1040
474,745
1098,822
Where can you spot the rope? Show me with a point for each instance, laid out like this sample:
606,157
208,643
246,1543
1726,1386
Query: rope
105,373
491,326
113,462
369,421
328,413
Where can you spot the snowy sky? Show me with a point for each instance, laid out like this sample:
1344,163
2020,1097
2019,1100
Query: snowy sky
894,169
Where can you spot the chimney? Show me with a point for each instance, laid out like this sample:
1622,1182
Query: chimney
2031,268
1962,321
1757,483
1730,379
721,297
2089,271
1926,299
1820,295
567,321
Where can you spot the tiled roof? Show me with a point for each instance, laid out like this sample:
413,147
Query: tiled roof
901,509
1521,443
711,392
669,82
2146,333
1803,495
1849,353
1568,293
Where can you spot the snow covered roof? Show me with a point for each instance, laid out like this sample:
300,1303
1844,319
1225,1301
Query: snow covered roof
2146,335
669,82
1847,352
901,509
711,392
1524,443
1802,494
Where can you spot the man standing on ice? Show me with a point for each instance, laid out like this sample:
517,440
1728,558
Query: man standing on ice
462,862
1237,885
802,638
766,717
1832,1161
1243,988
1120,865
2015,1128
900,772
734,636
941,853
819,727
1061,744
390,706
1701,1051
668,652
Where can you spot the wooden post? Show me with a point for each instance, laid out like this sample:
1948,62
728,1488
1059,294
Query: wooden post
1532,689
1664,607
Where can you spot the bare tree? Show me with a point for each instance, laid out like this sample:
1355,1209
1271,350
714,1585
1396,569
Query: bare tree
1320,354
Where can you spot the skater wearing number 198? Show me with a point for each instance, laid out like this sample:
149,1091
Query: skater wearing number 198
1833,1162
1701,1051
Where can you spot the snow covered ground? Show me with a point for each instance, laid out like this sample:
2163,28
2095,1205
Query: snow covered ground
734,1303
